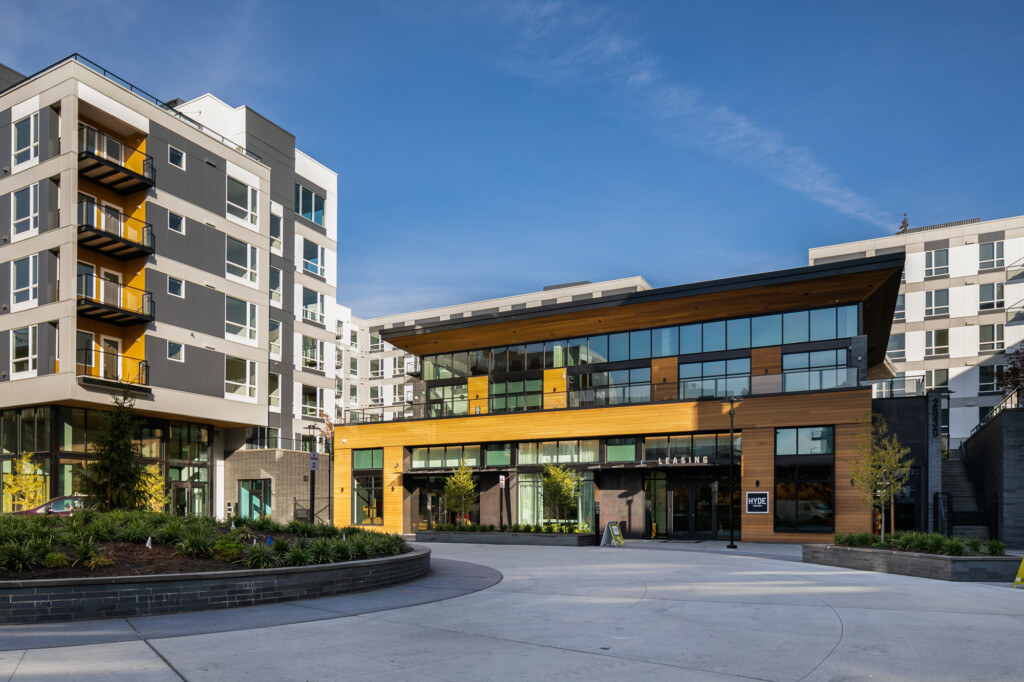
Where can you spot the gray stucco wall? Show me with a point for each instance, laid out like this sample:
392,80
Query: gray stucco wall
204,180
202,372
201,246
201,310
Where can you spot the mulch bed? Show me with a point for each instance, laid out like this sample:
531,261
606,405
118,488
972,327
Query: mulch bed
129,559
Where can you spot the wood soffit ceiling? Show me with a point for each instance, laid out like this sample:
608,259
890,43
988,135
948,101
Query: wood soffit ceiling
672,305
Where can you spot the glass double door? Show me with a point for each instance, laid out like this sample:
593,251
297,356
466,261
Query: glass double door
693,510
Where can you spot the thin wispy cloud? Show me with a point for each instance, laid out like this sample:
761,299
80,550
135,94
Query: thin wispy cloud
564,42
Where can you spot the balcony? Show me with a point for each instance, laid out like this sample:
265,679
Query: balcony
1015,313
106,230
106,301
897,387
105,369
112,163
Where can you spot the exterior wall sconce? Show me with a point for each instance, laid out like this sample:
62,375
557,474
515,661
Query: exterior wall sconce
757,484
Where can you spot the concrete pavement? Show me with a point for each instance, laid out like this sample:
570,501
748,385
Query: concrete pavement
649,610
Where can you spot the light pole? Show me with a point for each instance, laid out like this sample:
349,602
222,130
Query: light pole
731,402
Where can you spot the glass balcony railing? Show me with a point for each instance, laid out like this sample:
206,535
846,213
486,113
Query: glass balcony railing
819,379
897,387
112,163
106,230
109,301
111,366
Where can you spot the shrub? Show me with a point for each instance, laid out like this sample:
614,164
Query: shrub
84,551
342,550
265,524
953,546
974,545
18,556
135,530
55,560
841,539
995,548
259,556
98,562
321,551
862,539
280,546
227,549
935,543
170,531
196,542
583,528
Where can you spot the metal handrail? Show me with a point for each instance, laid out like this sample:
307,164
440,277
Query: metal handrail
95,288
276,443
1014,269
897,387
109,219
101,364
1011,402
92,141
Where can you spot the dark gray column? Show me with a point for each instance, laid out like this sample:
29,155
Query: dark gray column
49,218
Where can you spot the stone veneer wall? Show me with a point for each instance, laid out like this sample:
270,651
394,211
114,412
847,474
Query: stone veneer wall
43,601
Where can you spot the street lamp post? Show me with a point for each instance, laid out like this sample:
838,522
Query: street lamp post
731,401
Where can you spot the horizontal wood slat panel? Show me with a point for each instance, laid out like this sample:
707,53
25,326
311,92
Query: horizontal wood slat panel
664,379
766,360
478,388
554,389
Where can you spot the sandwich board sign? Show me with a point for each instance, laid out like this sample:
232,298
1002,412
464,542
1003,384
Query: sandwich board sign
1019,580
612,535
757,502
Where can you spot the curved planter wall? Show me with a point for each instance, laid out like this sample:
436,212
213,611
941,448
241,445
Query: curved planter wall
997,569
41,601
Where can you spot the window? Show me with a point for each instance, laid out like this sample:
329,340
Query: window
312,306
353,366
353,394
313,258
991,296
254,498
714,379
990,255
937,342
900,311
175,223
274,336
506,396
23,351
84,349
26,210
239,378
376,368
375,396
312,400
274,391
620,450
936,378
368,500
309,205
936,302
989,377
26,139
175,287
25,282
399,394
819,370
243,201
990,337
275,286
175,157
936,263
275,233
375,342
808,440
312,354
241,261
804,479
897,348
353,338
239,319
368,459
175,351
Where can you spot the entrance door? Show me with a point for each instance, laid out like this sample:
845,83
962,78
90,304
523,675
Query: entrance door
187,500
693,511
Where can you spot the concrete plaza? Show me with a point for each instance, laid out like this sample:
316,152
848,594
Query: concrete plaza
648,610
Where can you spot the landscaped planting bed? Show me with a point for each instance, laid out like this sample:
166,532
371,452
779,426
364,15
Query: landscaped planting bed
562,535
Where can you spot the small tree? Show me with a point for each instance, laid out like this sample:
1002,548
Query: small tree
155,491
1011,378
115,479
904,226
560,488
882,467
26,486
460,491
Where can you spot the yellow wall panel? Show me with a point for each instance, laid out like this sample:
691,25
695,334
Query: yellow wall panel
554,389
478,388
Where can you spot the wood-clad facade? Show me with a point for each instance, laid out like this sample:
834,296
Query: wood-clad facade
648,434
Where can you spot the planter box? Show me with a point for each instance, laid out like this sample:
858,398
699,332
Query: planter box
495,538
45,601
996,569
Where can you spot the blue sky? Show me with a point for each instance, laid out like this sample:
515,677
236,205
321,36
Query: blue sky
486,149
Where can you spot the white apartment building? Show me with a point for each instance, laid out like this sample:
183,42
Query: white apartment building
957,314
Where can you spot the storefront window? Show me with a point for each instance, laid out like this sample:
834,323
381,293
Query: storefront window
254,498
368,500
804,479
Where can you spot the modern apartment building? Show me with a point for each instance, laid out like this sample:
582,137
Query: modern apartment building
384,382
627,389
957,312
183,251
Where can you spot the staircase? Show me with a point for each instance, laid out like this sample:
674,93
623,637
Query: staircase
955,482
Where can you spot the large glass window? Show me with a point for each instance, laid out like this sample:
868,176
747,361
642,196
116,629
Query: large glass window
26,139
26,210
498,454
516,396
620,450
990,338
817,371
805,440
715,379
804,479
312,401
990,255
936,263
766,331
241,261
243,201
368,500
24,357
796,327
936,342
239,378
936,302
312,306
368,458
309,204
559,452
314,258
991,296
989,376
665,342
312,354
239,320
25,282
254,498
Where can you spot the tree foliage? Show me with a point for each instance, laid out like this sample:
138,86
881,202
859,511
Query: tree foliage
26,484
115,478
560,490
460,492
156,493
882,467
1011,378
904,226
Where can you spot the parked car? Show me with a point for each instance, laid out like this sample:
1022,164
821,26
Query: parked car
61,506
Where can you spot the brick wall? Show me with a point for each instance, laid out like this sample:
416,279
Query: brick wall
288,471
45,601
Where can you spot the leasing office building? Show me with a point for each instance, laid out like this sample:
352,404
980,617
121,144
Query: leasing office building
627,390
140,249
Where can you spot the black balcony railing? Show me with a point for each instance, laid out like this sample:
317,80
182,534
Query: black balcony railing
106,230
107,301
109,366
112,163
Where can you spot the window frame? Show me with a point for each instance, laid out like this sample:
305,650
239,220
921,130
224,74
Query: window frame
249,214
249,385
170,161
993,386
930,267
317,316
273,395
316,268
181,227
315,360
32,217
272,326
299,189
247,330
931,345
33,285
33,146
276,293
996,261
934,307
31,358
997,301
181,287
248,272
176,357
320,401
998,341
